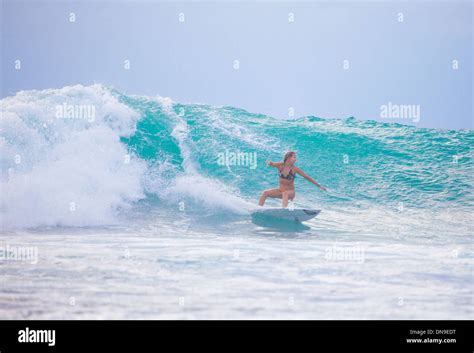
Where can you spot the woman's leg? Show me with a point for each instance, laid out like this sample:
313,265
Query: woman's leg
275,193
289,194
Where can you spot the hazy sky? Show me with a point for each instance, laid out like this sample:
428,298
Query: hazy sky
282,64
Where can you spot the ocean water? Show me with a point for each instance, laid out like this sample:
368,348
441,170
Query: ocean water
133,207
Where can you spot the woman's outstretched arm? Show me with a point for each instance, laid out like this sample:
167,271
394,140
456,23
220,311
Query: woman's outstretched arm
307,177
274,164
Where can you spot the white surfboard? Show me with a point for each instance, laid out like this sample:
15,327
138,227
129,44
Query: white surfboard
296,214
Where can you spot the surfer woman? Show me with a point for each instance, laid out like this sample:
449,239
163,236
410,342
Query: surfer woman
287,172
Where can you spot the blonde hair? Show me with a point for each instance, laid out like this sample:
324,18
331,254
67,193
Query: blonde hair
288,155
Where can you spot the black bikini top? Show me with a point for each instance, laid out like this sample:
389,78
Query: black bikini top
289,176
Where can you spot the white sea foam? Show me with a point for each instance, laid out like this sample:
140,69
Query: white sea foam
192,185
66,171
208,193
180,133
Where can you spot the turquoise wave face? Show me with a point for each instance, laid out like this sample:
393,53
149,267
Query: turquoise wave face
150,153
358,161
